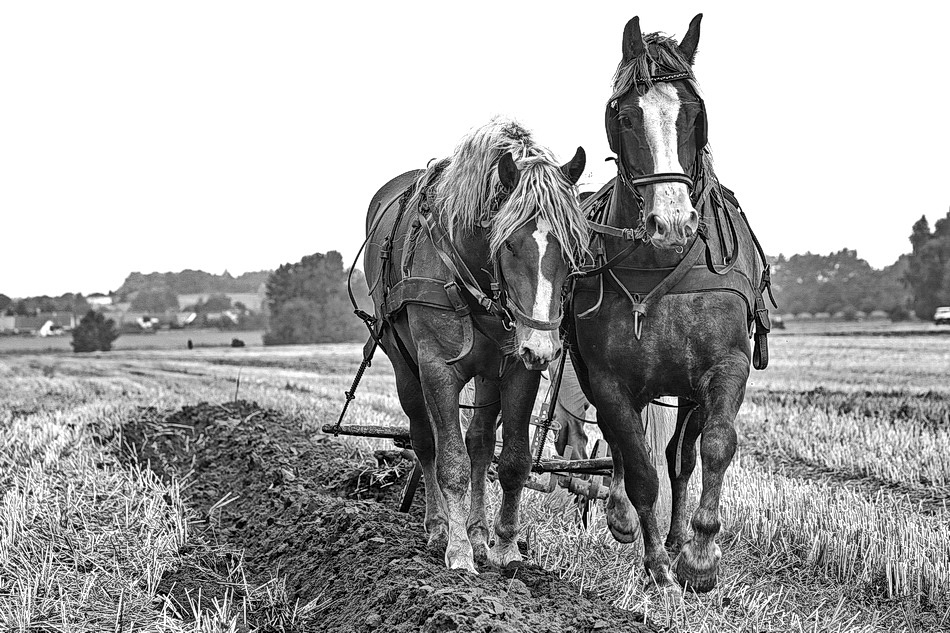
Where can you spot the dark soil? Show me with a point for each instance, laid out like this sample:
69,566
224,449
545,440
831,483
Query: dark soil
276,499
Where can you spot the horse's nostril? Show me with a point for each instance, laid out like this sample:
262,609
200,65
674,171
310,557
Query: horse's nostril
656,225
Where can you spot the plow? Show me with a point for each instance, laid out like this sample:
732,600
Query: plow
587,479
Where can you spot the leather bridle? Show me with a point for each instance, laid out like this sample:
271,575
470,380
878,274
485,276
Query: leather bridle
633,183
500,303
511,311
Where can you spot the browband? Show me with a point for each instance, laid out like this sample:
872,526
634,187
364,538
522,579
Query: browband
665,77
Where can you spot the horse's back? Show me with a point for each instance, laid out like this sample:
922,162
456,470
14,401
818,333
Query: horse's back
385,201
389,191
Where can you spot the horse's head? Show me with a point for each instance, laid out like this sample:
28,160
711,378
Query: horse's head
535,239
656,124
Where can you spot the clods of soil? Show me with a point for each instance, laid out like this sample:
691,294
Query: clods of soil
288,501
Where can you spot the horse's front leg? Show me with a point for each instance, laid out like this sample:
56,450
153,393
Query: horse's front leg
622,519
720,396
480,441
619,417
518,391
440,387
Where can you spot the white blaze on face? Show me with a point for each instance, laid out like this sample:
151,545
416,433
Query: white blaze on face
542,343
542,298
661,107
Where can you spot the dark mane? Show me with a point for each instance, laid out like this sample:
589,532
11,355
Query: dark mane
662,55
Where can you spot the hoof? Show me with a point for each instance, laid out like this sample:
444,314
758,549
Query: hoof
623,537
698,572
460,557
438,540
622,521
662,581
505,557
478,537
480,553
468,565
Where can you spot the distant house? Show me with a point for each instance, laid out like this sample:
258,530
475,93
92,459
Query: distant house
185,318
99,300
222,317
53,321
253,301
7,323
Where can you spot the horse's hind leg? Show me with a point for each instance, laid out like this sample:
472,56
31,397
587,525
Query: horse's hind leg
480,441
423,444
721,395
514,463
682,447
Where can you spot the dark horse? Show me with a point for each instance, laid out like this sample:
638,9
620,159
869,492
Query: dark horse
674,317
466,261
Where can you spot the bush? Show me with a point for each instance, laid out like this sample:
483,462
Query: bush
94,333
899,313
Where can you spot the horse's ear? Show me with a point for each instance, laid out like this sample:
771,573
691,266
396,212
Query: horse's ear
508,172
691,39
633,45
573,169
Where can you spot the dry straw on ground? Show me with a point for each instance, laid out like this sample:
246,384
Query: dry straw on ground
822,532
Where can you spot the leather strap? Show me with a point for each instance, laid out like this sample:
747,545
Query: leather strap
456,265
419,290
660,178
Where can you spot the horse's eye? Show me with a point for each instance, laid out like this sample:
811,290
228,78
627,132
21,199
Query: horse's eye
509,247
625,122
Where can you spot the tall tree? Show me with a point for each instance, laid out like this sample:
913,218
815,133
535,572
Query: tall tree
928,269
307,303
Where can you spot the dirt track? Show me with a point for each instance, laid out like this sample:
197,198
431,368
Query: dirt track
304,506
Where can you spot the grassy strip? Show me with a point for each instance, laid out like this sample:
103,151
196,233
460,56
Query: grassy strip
798,555
907,452
871,543
89,544
83,542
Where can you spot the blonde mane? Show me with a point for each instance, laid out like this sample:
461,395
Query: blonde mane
469,194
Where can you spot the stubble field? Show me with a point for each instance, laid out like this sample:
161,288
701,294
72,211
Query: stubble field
127,507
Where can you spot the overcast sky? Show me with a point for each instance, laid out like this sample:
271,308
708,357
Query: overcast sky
234,135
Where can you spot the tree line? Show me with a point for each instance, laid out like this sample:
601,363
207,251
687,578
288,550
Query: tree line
307,301
191,282
843,282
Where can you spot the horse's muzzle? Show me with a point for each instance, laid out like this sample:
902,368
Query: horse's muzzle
535,361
